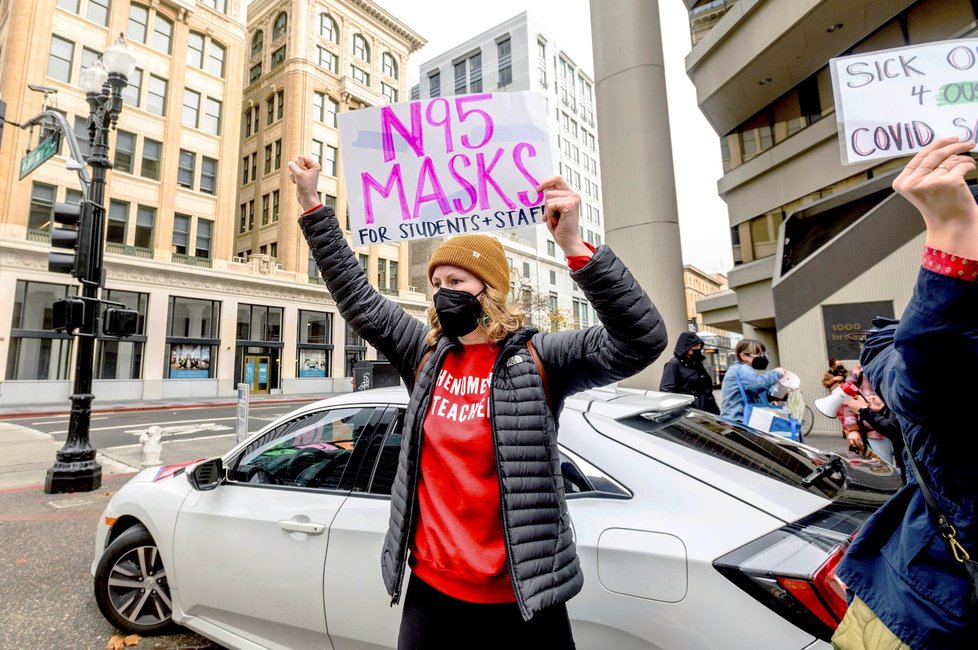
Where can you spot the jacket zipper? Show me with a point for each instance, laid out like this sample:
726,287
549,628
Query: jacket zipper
507,352
419,425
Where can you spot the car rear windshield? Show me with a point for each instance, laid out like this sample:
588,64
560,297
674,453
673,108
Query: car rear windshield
767,455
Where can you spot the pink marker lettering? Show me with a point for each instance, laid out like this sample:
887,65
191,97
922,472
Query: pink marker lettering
414,138
428,174
393,181
520,165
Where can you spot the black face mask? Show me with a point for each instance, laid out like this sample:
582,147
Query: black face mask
458,311
759,363
696,356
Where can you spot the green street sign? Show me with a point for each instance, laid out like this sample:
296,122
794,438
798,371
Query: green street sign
44,150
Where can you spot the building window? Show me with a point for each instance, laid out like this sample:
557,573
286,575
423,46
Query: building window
551,248
330,167
360,75
191,108
393,279
251,215
328,28
390,92
332,108
475,73
98,12
356,350
216,54
504,56
125,151
138,20
389,65
69,5
278,154
328,60
243,219
257,43
130,94
280,27
162,34
319,106
278,57
268,159
361,49
186,168
553,277
36,351
434,84
208,175
81,135
156,95
265,203
212,116
259,323
280,100
254,73
317,152
274,206
205,231
181,233
145,218
219,5
193,334
152,154
42,206
60,58
123,359
195,50
460,80
254,165
270,110
315,344
118,222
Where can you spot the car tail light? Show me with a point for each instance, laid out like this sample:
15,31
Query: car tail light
792,569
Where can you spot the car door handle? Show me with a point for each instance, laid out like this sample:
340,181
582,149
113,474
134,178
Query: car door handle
301,527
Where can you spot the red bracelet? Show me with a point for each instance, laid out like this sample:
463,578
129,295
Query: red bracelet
953,266
577,262
312,209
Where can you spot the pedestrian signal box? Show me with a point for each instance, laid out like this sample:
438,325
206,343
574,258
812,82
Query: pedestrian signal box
72,230
120,322
68,314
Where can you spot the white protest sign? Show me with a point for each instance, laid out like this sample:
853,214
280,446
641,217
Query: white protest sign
446,165
894,102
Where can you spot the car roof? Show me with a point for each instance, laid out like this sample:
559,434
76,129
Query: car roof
611,402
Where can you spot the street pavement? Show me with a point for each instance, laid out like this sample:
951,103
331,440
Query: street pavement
47,541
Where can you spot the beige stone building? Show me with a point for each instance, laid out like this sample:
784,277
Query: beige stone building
209,317
819,248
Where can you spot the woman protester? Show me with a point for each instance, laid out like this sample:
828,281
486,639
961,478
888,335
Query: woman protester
685,374
747,379
477,506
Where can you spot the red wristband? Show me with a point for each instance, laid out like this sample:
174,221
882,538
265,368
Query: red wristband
953,266
312,209
578,262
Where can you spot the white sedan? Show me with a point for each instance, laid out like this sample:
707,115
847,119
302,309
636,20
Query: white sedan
692,532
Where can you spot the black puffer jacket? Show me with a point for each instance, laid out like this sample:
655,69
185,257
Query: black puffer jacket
681,375
539,542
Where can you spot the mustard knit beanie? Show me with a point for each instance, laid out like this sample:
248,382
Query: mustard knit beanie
480,255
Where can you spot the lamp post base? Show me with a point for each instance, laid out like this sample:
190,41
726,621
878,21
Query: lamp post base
73,476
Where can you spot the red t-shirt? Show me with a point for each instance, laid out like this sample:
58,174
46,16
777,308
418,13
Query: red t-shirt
458,545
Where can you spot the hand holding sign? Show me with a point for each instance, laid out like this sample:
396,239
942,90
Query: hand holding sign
934,183
562,214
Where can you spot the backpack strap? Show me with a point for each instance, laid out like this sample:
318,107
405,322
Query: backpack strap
541,371
424,359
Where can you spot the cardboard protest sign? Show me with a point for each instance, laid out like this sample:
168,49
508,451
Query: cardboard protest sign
894,102
446,165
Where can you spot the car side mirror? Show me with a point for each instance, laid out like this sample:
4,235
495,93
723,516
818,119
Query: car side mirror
206,475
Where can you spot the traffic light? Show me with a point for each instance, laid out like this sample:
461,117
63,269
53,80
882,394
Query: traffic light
120,322
68,314
74,233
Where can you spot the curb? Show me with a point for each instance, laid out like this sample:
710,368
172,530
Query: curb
150,407
35,486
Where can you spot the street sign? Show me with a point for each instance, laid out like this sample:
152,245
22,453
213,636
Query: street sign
44,150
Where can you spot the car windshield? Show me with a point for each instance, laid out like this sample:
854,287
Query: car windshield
766,454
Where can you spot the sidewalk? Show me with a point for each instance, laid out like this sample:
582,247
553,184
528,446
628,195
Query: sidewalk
26,454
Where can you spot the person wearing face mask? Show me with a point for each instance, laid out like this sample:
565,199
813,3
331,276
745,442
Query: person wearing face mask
685,374
477,507
835,375
748,372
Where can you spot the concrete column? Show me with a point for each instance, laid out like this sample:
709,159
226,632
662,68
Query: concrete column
641,216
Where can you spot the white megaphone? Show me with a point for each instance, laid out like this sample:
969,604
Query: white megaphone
830,404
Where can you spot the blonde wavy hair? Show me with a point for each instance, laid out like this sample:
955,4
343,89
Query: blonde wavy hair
499,317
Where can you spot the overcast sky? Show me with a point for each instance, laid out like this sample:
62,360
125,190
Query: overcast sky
702,215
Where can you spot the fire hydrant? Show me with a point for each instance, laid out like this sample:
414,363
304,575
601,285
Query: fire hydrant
151,441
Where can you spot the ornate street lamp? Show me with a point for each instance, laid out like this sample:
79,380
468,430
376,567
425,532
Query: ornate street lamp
75,469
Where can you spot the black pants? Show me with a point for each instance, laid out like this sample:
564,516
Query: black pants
433,621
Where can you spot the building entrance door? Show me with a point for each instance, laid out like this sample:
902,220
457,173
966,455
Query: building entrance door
256,373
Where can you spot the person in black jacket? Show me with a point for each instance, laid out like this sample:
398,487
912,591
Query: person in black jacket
477,505
685,374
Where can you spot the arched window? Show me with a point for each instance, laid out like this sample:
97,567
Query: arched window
328,28
360,48
257,43
390,65
281,25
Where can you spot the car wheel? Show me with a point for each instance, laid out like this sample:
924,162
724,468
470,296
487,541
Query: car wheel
131,586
